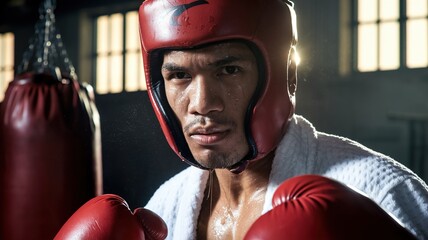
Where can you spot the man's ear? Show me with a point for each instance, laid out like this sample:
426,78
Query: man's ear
293,61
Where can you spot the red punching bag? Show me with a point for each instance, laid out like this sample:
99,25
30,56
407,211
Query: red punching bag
49,142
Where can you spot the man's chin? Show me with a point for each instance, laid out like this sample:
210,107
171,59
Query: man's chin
213,166
216,159
220,163
216,163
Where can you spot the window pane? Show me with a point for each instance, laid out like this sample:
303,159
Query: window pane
9,59
132,65
119,43
132,48
134,68
8,76
3,85
389,46
417,43
102,81
116,73
367,10
116,35
417,8
367,47
7,46
102,34
389,9
2,50
9,41
5,78
132,31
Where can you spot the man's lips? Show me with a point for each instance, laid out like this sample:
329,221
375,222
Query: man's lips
208,136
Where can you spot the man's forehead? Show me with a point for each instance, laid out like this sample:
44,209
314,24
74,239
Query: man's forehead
234,49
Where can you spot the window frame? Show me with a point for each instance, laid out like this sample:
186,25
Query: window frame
123,53
402,21
4,68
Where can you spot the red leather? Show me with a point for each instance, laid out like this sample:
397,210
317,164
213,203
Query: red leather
108,217
313,207
49,155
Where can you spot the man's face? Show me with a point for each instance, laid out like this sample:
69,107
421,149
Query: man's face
209,90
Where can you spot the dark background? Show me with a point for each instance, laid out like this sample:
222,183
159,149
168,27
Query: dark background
360,106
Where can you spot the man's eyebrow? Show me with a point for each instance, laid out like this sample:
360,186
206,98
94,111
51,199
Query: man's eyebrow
172,67
226,60
169,66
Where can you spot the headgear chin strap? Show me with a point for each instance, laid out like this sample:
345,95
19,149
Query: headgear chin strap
267,26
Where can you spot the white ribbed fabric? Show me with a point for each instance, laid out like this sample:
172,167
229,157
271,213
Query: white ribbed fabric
303,150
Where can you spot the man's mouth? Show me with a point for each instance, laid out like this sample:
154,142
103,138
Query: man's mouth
208,136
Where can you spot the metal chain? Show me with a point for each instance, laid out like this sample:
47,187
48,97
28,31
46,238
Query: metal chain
46,52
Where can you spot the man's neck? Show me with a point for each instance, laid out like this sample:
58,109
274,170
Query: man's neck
237,188
233,201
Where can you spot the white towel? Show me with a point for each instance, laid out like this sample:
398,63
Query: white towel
303,150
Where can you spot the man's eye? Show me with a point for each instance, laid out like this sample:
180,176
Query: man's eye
230,70
180,75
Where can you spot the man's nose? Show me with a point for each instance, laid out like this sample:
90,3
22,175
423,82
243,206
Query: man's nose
205,96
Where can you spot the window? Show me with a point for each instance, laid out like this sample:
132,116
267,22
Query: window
416,33
7,41
118,58
391,34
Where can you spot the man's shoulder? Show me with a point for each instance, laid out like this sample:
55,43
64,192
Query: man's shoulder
350,157
351,162
177,182
327,142
325,148
171,191
178,196
357,165
345,147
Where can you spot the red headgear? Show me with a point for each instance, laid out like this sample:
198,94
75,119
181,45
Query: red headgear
268,26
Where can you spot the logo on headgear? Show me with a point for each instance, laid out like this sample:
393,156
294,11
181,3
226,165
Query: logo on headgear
180,9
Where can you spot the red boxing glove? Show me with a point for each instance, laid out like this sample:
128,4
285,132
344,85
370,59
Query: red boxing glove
314,207
108,217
